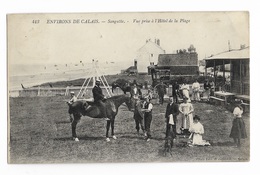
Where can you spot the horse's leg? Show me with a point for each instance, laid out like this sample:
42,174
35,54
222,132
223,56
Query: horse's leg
74,125
112,129
108,126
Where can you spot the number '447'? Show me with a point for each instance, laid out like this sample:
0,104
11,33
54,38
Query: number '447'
35,21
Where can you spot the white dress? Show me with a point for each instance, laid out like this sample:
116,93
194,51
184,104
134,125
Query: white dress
197,130
186,109
185,91
196,88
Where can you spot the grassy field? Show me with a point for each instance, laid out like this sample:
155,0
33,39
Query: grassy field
40,132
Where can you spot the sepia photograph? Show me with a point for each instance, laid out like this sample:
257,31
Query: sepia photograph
128,87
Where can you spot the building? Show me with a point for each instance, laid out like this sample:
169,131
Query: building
148,54
239,69
132,70
180,63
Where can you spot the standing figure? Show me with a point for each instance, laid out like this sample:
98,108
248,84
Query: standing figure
70,102
172,110
186,109
99,98
175,91
148,107
212,87
196,90
138,116
150,94
196,131
207,89
160,90
238,130
135,92
186,91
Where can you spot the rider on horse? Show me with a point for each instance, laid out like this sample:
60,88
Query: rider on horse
99,99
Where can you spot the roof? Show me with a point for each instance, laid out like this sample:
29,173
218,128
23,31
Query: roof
150,45
233,54
224,57
184,59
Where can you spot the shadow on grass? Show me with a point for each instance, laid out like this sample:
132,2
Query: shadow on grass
62,122
140,137
228,143
80,138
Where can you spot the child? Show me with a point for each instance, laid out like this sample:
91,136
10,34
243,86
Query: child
238,130
196,133
148,107
138,116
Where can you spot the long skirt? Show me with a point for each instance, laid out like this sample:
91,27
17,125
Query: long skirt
186,93
185,124
238,129
196,139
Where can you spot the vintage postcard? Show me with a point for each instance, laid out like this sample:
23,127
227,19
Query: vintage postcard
128,87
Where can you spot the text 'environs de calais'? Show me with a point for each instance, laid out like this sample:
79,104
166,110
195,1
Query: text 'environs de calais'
83,21
74,21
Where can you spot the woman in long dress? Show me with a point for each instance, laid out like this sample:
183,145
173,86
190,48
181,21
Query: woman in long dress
238,130
197,130
186,109
186,91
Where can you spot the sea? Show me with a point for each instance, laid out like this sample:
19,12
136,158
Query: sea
28,75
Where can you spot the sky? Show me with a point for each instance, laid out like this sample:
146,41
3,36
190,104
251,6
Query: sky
49,42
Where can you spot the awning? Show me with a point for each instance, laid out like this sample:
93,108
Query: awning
225,57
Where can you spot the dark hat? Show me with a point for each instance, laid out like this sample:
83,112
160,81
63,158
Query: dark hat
196,117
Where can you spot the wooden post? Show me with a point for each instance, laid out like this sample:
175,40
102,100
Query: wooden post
39,91
240,74
215,71
224,71
206,69
231,77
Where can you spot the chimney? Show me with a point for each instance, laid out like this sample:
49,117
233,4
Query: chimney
158,42
135,63
242,46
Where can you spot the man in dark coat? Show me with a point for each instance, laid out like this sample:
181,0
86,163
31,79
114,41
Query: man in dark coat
138,116
172,110
175,91
99,99
160,90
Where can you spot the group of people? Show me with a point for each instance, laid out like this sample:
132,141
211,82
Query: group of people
190,125
194,93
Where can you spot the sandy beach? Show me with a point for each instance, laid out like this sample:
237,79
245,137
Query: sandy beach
32,75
